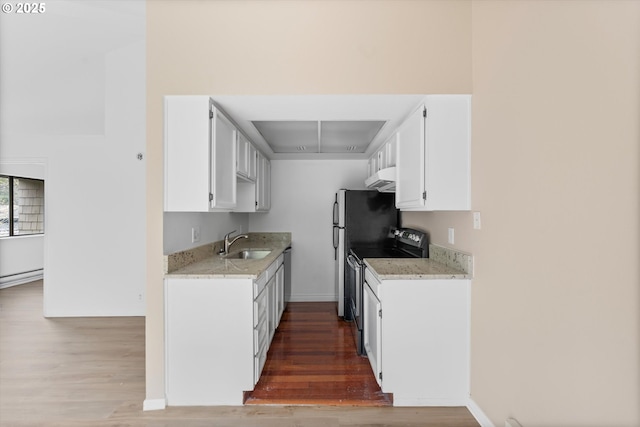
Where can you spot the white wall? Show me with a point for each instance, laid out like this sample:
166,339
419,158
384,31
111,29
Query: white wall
303,192
94,244
555,311
21,259
213,227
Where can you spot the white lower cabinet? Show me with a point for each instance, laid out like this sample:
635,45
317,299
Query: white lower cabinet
279,293
217,335
272,290
419,346
261,326
209,360
373,331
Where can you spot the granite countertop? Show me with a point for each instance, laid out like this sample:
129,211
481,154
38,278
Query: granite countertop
204,262
443,263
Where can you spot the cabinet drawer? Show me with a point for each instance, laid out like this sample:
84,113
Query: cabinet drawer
372,281
271,270
280,261
370,278
260,335
258,364
259,308
259,284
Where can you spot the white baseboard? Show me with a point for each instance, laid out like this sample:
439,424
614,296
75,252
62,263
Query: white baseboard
477,413
313,298
399,400
21,278
154,404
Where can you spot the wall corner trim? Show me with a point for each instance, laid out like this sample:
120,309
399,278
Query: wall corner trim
477,413
154,404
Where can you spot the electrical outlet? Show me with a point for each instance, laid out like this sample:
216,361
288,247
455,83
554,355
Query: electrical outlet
476,220
195,234
451,235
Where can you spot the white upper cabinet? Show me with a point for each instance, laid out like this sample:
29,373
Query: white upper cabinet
385,157
433,155
242,156
199,156
254,195
252,162
263,184
223,175
391,148
246,158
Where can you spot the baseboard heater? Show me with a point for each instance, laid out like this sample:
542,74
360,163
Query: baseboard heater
20,278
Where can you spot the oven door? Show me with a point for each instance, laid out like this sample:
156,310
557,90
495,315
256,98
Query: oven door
351,287
355,299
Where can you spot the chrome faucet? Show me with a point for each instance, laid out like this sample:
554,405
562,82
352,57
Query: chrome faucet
227,243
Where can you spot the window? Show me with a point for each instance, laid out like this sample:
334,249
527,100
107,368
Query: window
21,206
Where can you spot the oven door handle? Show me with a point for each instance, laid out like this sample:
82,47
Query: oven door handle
353,262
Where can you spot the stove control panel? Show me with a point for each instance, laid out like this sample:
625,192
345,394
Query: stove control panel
410,236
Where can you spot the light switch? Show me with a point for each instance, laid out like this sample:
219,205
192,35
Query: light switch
476,220
451,235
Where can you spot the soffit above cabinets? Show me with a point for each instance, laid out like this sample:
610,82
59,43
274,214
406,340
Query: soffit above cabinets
318,126
319,136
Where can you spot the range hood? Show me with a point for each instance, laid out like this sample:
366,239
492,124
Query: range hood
384,180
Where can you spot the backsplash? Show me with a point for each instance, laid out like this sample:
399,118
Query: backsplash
452,258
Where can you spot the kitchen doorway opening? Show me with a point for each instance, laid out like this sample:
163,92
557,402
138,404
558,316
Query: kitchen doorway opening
313,361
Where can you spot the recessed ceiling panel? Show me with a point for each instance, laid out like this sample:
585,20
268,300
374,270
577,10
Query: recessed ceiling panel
348,136
289,136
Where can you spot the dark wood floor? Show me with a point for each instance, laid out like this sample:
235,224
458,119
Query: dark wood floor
79,372
313,360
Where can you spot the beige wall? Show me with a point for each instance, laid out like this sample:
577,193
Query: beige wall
556,108
287,47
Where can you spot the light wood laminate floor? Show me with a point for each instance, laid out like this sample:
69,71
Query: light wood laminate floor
69,372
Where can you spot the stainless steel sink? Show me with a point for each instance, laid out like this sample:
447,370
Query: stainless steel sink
249,254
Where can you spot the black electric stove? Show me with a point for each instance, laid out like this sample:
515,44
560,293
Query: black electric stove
402,243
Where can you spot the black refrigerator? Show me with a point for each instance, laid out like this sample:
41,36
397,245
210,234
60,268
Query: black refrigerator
361,218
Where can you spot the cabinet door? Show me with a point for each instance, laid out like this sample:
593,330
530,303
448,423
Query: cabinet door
187,145
252,160
280,294
382,158
391,149
223,162
267,185
373,164
447,156
372,331
410,185
242,156
263,184
272,304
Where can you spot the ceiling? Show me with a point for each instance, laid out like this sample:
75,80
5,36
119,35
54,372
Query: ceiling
318,126
304,136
